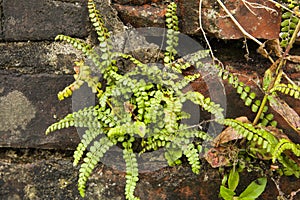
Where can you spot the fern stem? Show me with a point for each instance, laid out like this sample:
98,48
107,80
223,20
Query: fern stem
260,111
277,75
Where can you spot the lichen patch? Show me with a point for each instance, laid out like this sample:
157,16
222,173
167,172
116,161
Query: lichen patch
16,111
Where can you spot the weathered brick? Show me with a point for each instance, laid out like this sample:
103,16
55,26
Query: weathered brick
37,57
261,22
31,74
259,18
43,20
142,16
28,106
1,21
50,175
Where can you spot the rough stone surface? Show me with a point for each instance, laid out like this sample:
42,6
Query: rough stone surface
136,2
259,22
110,16
256,19
28,106
35,174
13,107
142,16
42,19
37,57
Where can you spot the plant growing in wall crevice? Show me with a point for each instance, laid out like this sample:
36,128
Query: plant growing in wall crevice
144,106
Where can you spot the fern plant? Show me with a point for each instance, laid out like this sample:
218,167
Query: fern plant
130,107
258,133
145,106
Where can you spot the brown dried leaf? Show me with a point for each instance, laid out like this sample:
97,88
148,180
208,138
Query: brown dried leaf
261,50
222,155
294,59
285,111
229,133
216,157
272,45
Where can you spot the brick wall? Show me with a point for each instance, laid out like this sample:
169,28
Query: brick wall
33,67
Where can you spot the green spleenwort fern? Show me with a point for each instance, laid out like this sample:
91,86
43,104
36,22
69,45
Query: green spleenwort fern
285,144
288,89
96,152
254,134
248,97
151,107
131,169
289,22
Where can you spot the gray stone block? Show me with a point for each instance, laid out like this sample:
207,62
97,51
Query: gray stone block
38,57
31,75
43,20
1,21
28,105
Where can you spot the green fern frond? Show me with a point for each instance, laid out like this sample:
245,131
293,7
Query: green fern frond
289,166
173,106
67,121
154,107
97,150
86,117
85,48
172,34
68,91
248,97
262,137
205,103
107,64
285,144
193,157
131,170
83,74
186,81
98,23
80,149
76,43
87,138
289,89
156,140
288,23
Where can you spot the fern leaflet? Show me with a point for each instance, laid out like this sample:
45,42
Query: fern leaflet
96,152
285,144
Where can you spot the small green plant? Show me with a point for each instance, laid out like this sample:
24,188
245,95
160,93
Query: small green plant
151,107
254,189
144,108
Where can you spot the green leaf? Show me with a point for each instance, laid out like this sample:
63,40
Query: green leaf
233,179
267,79
255,189
226,193
172,155
140,128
